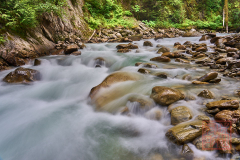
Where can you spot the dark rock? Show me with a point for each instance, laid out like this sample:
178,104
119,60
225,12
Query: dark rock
209,76
76,53
228,116
37,62
161,75
213,111
144,71
71,48
127,46
163,50
22,75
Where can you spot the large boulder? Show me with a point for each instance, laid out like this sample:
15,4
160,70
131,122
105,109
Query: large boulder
161,59
22,75
112,79
180,114
207,77
166,96
223,104
186,132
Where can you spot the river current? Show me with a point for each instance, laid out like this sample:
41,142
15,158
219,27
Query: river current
53,119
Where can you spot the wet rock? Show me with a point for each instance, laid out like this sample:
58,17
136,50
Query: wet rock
82,45
144,71
235,140
138,63
209,76
185,132
203,118
224,146
223,104
140,104
187,152
181,47
71,48
228,116
199,82
22,75
150,65
201,49
168,54
112,79
177,44
213,111
180,114
118,35
135,37
163,50
166,96
223,61
99,62
161,75
58,52
158,36
161,59
204,143
215,80
148,43
206,94
213,40
204,38
37,62
127,46
76,53
187,43
182,60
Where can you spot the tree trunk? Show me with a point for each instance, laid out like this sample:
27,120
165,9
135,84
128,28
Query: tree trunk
223,16
226,11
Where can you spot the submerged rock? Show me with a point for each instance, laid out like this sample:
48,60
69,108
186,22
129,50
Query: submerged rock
223,104
180,114
144,71
186,132
166,96
22,75
187,152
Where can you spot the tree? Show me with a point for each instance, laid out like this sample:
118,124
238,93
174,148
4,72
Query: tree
226,12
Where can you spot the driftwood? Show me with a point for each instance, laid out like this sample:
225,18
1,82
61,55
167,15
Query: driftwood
92,35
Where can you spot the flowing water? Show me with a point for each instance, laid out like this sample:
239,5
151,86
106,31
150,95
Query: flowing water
53,119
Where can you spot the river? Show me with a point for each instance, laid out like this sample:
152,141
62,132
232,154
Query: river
53,119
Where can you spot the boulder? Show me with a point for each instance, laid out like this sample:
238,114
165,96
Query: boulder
207,77
177,44
125,50
180,114
163,50
206,94
186,132
181,60
127,46
22,75
199,82
168,54
161,75
228,116
147,43
71,48
201,49
204,38
161,59
166,96
203,118
112,79
187,152
223,104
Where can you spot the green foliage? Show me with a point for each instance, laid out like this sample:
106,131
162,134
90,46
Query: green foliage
2,40
23,14
106,13
150,23
136,8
